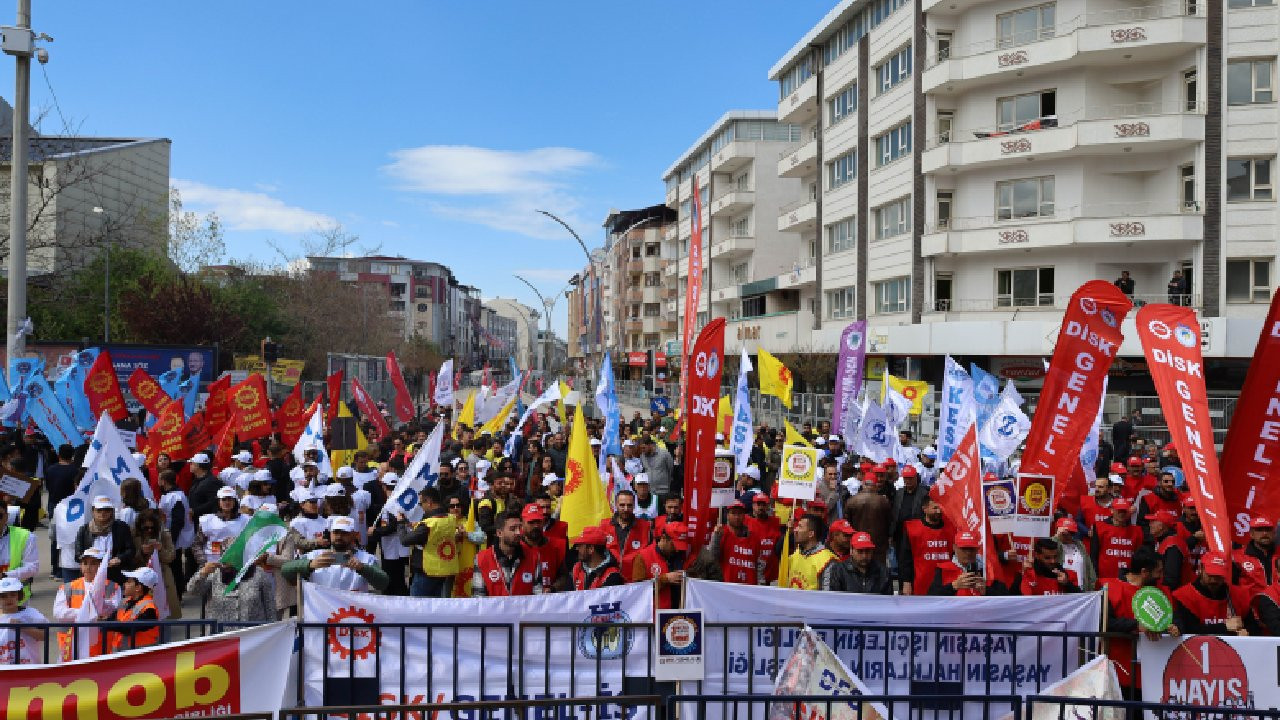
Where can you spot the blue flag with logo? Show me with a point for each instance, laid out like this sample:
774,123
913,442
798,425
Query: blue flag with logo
69,387
515,369
607,401
190,391
50,415
986,397
421,473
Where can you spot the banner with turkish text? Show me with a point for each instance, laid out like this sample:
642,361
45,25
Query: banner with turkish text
404,399
1251,452
368,408
165,437
249,407
1087,345
958,490
196,434
1220,671
148,392
290,419
103,389
692,296
706,363
1170,336
849,364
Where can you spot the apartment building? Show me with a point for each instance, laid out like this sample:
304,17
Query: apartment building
977,160
525,325
759,271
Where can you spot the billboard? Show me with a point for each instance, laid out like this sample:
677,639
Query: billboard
155,359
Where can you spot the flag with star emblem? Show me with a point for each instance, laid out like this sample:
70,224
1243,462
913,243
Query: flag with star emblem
775,378
584,501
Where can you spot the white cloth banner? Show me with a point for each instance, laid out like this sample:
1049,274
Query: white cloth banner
1211,670
475,647
493,404
877,438
421,473
246,671
1007,427
742,434
813,669
896,662
312,438
444,385
958,409
1095,680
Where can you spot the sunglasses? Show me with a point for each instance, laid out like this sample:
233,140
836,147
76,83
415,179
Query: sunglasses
455,506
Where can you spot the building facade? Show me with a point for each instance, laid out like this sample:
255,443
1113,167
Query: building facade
525,328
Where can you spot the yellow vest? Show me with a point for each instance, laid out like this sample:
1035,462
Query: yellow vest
440,554
804,569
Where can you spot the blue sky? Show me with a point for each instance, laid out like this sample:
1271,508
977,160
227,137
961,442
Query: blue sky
432,130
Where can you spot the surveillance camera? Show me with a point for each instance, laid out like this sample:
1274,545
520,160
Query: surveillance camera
42,56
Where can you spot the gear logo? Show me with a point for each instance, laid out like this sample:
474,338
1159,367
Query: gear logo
446,550
606,642
573,476
145,391
172,424
348,639
247,397
100,383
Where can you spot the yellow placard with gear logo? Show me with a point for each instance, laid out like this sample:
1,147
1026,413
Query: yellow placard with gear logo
798,476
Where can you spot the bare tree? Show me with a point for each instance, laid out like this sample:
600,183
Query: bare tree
194,241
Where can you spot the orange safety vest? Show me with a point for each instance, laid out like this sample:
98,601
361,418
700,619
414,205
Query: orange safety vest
75,594
117,641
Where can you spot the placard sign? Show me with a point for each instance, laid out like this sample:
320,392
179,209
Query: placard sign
1035,505
722,482
1001,496
798,476
680,639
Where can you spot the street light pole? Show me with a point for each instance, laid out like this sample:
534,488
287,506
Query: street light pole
106,291
18,184
547,306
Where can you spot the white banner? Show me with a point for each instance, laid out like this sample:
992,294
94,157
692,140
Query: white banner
1095,680
1211,670
246,671
475,648
813,669
421,473
896,662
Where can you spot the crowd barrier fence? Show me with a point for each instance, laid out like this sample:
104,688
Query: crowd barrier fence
1039,706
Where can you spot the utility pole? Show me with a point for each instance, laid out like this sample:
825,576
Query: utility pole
19,42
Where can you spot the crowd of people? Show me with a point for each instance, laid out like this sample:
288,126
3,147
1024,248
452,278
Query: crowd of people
490,526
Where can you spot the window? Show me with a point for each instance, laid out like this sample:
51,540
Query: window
740,228
840,303
1250,82
944,44
397,305
686,207
894,70
635,252
1248,281
740,274
894,144
1025,26
1236,4
652,250
893,218
893,296
841,236
1248,179
652,310
946,121
1024,287
423,307
753,306
1187,173
794,77
1024,112
653,279
743,181
1030,197
942,285
843,104
843,169
944,209
1189,91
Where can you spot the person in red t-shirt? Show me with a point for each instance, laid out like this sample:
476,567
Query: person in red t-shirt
1143,571
1113,542
737,548
839,536
1096,508
1164,497
1211,605
1137,478
1254,561
1042,575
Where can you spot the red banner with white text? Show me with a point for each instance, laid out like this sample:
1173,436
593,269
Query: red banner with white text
692,295
250,409
148,392
958,490
404,400
1087,345
1170,337
1251,452
706,363
368,408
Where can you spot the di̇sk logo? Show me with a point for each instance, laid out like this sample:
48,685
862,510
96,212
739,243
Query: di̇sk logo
1186,336
1159,329
348,638
100,383
494,576
1089,306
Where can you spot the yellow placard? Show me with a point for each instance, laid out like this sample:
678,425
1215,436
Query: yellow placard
798,476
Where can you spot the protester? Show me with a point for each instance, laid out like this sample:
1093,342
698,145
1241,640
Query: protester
1254,563
1114,540
204,487
1171,548
1143,571
218,528
624,532
19,645
871,512
19,552
175,512
253,598
768,529
137,607
810,557
1043,575
960,575
661,561
552,552
1210,605
1073,555
925,543
104,531
506,568
72,595
342,565
860,572
432,543
150,536
737,549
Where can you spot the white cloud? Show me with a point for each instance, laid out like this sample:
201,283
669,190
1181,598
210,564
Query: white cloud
244,210
501,189
551,276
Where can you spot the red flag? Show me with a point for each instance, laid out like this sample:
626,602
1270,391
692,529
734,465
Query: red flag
692,293
226,443
958,491
103,389
1251,452
333,386
1087,344
404,400
148,392
196,435
457,379
166,436
249,408
705,364
289,418
368,408
1170,338
216,410
484,377
431,389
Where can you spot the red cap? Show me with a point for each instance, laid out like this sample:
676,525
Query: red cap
1135,460
816,505
1259,522
909,471
877,469
842,526
989,477
1067,524
890,462
865,466
1215,564
760,498
677,531
1169,446
1189,501
532,513
1122,504
592,535
1168,517
862,541
967,540
736,505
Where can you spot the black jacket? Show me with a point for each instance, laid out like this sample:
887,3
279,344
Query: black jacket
204,496
121,547
844,576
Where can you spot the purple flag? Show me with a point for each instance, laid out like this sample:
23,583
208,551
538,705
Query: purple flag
853,351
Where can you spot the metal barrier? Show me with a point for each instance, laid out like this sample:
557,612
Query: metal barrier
604,639
821,707
584,708
1039,706
54,633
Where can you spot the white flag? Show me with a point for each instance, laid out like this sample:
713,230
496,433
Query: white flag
107,463
1005,430
160,595
896,406
1089,451
743,435
312,438
421,473
444,385
489,406
92,607
876,436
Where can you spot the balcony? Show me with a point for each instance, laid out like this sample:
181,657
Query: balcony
801,106
726,291
733,201
672,307
671,269
670,292
798,216
634,295
1005,306
1108,38
732,157
1136,127
736,245
651,294
802,162
801,275
634,325
671,233
1101,224
776,332
653,263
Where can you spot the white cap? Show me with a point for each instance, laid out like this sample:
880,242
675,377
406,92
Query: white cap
930,452
454,462
724,452
228,474
482,468
834,438
144,575
1116,479
140,458
551,478
10,584
310,463
226,492
751,471
296,473
244,456
641,478
719,437
200,459
595,442
264,475
102,502
307,495
628,443
346,472
334,490
390,478
268,507
342,523
633,466
92,552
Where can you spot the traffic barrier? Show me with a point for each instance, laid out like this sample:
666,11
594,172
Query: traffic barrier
584,708
839,707
52,650
1037,707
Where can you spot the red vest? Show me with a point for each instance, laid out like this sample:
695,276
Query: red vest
1197,552
1212,611
951,570
929,548
649,564
1186,574
1271,592
1136,484
1122,650
637,537
738,556
1253,572
1033,584
1155,504
580,577
557,529
769,531
521,579
1091,513
1115,547
550,556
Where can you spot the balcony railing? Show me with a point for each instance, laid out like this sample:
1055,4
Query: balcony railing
1062,214
1070,118
1005,303
795,205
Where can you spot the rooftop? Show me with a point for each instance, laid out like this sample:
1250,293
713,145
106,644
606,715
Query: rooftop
52,147
815,33
716,127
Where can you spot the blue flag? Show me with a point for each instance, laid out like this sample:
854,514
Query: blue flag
190,389
515,369
171,382
69,387
50,415
607,401
986,397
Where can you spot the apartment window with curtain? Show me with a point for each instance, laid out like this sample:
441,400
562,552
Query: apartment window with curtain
894,144
894,70
1249,281
943,283
1251,82
893,218
843,104
893,296
841,236
842,170
840,303
944,209
1024,26
740,228
740,273
1024,287
1187,174
1249,180
1025,198
1026,112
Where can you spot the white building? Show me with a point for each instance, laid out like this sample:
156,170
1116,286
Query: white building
528,352
974,161
757,271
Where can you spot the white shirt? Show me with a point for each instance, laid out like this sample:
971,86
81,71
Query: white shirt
219,533
63,612
253,502
310,528
362,479
360,501
28,649
28,567
168,502
341,576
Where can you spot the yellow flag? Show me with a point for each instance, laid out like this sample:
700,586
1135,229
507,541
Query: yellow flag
913,390
467,416
775,378
784,560
466,556
584,502
495,423
793,437
342,458
564,390
724,418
